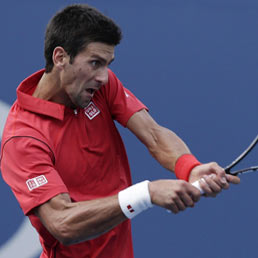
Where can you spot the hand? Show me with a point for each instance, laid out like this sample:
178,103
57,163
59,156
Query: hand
214,178
174,195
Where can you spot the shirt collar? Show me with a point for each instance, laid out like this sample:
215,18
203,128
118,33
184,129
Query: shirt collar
36,105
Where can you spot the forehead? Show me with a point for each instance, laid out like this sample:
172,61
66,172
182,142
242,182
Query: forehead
99,49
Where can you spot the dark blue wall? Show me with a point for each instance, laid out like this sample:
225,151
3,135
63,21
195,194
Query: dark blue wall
194,64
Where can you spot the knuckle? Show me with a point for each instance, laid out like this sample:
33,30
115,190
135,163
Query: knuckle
197,196
173,208
190,203
178,188
218,190
183,184
182,208
214,164
180,182
226,186
216,168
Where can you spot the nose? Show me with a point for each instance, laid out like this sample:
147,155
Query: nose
102,76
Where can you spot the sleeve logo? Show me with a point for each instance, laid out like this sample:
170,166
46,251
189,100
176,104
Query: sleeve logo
36,182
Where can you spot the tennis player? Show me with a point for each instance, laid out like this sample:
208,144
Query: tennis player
64,159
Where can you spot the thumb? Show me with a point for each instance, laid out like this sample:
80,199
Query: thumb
233,179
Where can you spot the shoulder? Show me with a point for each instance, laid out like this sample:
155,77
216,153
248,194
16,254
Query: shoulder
23,127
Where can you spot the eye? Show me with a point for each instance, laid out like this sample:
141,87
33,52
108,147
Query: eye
95,63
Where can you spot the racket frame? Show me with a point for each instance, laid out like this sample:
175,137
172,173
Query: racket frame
239,158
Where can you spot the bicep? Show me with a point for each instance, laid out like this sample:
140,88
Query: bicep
51,213
52,206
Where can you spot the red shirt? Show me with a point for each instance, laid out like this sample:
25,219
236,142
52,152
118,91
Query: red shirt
48,149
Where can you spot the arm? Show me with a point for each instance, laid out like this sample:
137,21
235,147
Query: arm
166,147
73,222
163,144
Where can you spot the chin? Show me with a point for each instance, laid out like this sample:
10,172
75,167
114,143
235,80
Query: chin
84,105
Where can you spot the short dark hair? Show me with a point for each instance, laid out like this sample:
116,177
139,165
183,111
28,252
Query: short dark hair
74,27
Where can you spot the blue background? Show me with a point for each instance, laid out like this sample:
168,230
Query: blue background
195,65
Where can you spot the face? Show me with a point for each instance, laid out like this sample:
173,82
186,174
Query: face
88,72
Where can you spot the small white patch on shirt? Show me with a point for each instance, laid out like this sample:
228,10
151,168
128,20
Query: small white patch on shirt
91,110
36,182
126,94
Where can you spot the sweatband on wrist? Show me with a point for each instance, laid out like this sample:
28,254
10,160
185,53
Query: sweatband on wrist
135,199
184,166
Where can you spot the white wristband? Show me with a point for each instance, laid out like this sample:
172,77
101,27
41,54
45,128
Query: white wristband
135,199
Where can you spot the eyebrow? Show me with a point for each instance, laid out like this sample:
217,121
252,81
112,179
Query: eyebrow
102,59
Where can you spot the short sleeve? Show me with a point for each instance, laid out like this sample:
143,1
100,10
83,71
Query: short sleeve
122,102
27,167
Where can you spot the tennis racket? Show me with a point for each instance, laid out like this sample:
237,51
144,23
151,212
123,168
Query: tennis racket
235,162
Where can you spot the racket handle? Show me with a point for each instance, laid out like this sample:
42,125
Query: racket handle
197,185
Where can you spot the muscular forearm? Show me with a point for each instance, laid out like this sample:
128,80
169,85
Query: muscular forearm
166,147
75,222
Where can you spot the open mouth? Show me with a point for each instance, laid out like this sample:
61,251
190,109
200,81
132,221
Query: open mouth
91,91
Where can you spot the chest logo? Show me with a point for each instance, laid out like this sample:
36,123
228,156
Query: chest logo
36,182
91,110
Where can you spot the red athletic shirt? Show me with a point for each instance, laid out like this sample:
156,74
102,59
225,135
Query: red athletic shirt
48,149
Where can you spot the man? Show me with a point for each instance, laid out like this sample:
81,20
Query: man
64,159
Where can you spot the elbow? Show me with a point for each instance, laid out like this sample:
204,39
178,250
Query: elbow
64,240
71,239
64,237
67,235
64,234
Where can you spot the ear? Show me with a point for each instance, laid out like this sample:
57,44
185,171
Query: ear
60,57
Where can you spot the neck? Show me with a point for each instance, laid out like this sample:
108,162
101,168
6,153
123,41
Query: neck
49,88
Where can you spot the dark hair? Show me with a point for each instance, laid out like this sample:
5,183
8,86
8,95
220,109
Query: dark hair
74,27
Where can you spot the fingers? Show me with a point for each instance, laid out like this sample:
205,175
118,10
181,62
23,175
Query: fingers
224,179
208,169
185,199
211,185
218,171
174,195
177,205
232,179
180,203
214,178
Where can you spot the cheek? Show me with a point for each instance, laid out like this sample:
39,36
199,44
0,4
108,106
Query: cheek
75,79
75,87
68,76
84,74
